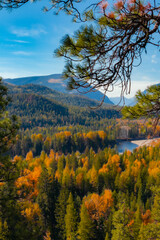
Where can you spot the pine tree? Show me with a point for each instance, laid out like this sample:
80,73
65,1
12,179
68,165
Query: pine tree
86,229
60,211
70,219
148,105
151,230
8,169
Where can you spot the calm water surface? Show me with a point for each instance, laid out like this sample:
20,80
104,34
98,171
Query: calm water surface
126,145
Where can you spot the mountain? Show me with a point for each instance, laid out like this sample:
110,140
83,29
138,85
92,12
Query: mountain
123,102
38,111
56,82
64,98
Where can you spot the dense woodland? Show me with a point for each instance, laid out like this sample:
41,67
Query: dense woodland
100,195
66,181
60,181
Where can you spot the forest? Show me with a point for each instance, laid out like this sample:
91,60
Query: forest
61,176
67,181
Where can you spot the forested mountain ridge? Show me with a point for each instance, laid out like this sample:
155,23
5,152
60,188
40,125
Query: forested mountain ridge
64,98
56,82
42,110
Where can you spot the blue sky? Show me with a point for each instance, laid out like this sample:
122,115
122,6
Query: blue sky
28,37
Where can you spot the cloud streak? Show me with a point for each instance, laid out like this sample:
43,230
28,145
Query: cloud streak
22,53
24,32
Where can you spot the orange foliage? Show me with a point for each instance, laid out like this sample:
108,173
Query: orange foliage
119,4
104,169
28,182
130,223
48,236
112,165
91,135
135,168
1,184
29,156
52,154
102,134
146,217
63,135
79,179
98,206
57,175
17,159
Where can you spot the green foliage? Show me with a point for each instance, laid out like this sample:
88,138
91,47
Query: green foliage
86,229
70,219
148,105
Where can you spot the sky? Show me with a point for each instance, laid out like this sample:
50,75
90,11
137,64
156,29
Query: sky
28,38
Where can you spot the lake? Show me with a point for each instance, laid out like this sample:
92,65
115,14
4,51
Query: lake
130,145
126,145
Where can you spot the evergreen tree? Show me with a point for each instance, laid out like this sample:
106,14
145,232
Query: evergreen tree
148,105
71,219
86,229
8,169
60,211
151,229
121,221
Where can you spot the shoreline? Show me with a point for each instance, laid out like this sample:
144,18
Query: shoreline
143,142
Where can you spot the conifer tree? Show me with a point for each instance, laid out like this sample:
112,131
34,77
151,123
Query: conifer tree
70,219
151,229
86,229
148,105
8,168
60,211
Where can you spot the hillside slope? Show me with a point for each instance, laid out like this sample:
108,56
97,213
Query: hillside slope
38,111
56,82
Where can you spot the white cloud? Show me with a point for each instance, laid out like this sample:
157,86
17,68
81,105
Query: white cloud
23,53
24,32
20,41
153,58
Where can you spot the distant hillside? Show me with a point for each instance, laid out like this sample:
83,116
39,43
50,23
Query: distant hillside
121,102
37,110
56,82
64,98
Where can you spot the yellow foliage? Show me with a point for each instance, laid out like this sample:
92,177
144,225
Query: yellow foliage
57,175
154,168
135,168
104,169
52,154
93,176
29,156
48,161
102,134
17,159
48,236
79,179
63,135
32,211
